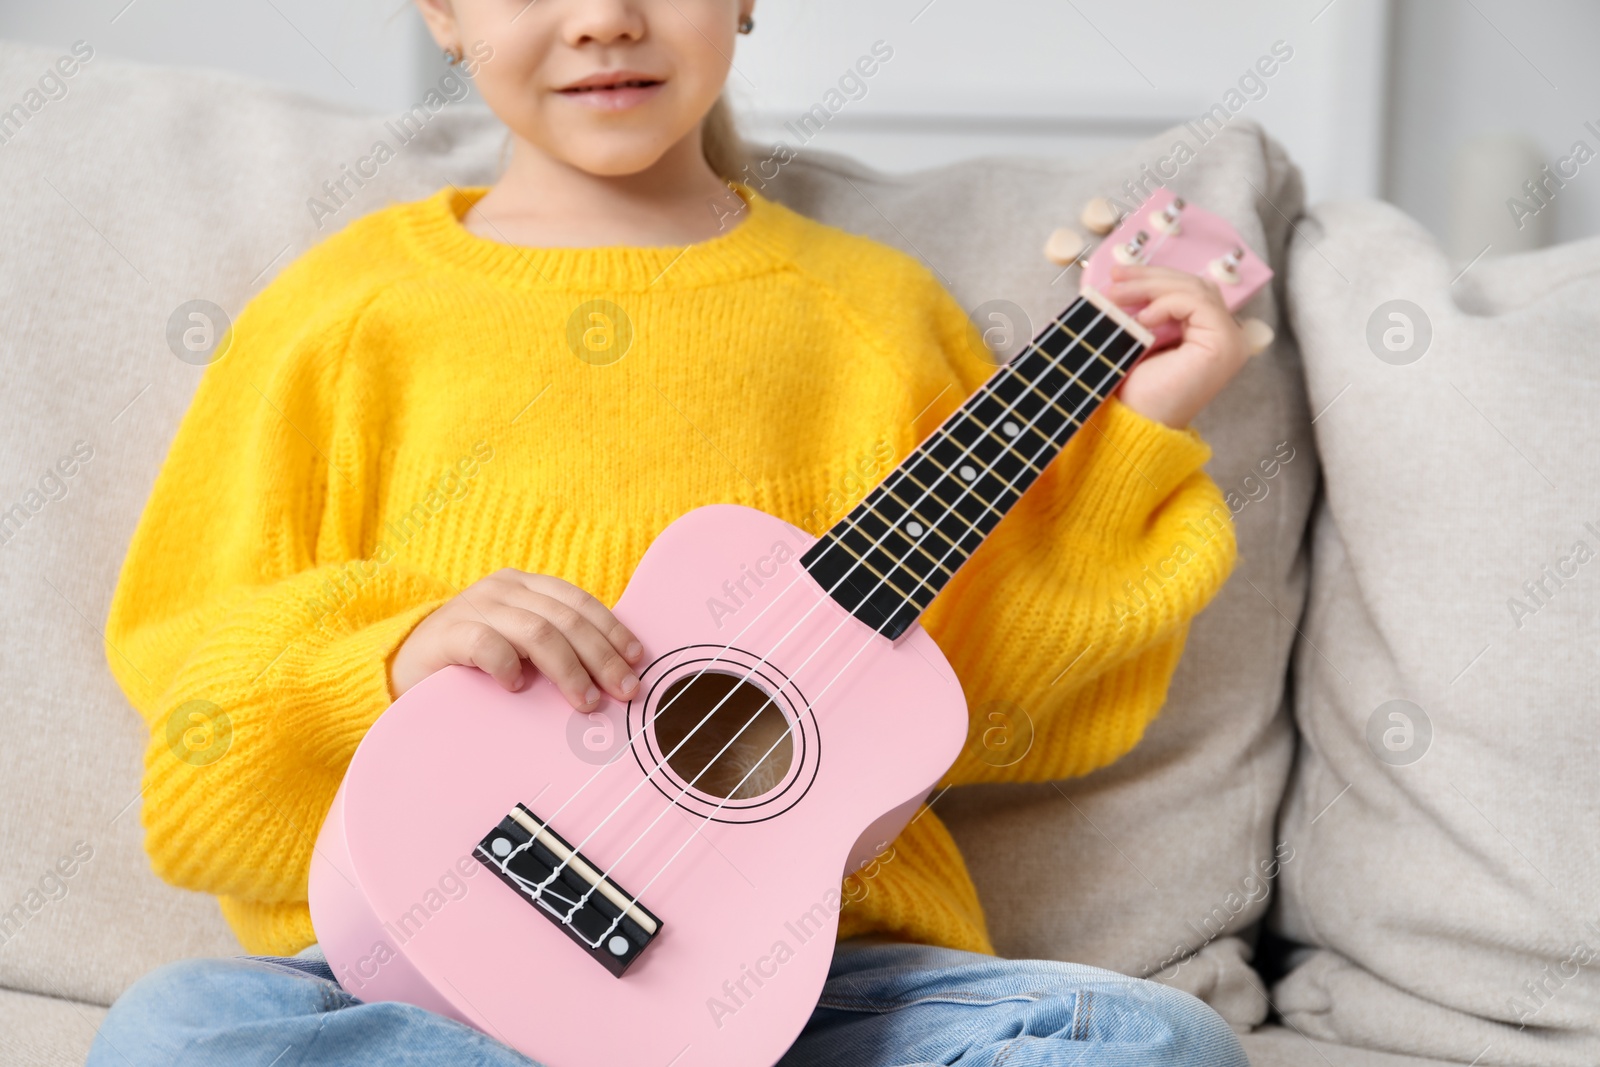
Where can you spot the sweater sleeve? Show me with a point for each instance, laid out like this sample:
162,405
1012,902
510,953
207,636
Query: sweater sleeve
246,627
1066,625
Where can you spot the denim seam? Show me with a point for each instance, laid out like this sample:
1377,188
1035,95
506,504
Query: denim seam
1081,1013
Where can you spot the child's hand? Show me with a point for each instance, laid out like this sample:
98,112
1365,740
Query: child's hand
498,621
1172,385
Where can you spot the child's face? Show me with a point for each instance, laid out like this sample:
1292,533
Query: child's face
522,54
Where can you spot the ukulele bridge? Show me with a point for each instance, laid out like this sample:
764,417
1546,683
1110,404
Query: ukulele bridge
601,917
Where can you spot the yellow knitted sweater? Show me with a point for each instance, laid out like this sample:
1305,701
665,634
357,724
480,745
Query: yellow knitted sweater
409,407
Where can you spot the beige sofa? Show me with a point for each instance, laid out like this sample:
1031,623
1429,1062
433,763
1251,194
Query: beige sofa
1344,886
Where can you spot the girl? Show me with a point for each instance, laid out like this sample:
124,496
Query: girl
447,434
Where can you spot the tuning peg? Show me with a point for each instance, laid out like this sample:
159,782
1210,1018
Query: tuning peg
1131,254
1099,216
1226,269
1166,220
1064,246
1257,336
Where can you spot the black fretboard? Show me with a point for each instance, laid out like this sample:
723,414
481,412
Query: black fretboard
888,558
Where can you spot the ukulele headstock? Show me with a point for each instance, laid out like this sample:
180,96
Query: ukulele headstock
1166,231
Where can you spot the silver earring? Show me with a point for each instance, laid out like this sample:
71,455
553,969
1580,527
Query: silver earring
452,55
746,24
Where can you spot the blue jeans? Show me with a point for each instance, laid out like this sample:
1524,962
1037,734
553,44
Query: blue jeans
884,1003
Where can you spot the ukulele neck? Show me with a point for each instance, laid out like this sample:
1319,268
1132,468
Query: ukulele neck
890,556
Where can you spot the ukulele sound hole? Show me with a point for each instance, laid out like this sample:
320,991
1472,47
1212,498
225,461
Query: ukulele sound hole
759,744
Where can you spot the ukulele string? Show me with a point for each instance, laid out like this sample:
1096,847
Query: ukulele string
1012,369
545,824
1009,407
1116,368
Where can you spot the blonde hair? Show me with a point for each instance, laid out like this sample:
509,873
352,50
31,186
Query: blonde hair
720,142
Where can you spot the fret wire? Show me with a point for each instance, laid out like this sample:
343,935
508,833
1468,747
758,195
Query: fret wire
926,522
967,413
899,560
980,494
894,528
883,579
1036,347
1079,338
1004,444
1053,361
1008,407
929,454
1010,485
1073,377
948,509
933,525
1116,369
866,508
1023,396
999,459
967,450
823,562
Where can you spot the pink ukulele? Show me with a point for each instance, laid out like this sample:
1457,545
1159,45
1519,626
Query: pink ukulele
658,882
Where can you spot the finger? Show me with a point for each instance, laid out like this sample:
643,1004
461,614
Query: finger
544,644
1153,284
589,605
478,644
1172,307
592,631
1121,272
595,651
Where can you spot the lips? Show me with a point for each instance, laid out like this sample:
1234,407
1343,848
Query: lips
613,90
611,80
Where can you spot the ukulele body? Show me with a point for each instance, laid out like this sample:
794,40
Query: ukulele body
745,891
702,922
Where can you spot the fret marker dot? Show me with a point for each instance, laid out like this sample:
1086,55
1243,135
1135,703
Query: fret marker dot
500,847
968,473
1010,429
618,945
914,529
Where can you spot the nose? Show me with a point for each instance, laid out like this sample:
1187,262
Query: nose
603,22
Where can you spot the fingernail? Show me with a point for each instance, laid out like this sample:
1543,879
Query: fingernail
516,683
634,648
628,682
591,695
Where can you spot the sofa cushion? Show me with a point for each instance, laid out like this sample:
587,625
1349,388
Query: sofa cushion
1160,864
147,188
43,1031
1283,1046
1445,810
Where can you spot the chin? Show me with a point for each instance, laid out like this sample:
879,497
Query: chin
615,160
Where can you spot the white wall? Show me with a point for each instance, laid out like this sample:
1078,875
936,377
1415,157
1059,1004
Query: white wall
365,53
1372,103
1050,77
1464,70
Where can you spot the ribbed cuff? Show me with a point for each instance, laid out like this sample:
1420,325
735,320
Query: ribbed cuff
1125,465
346,685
